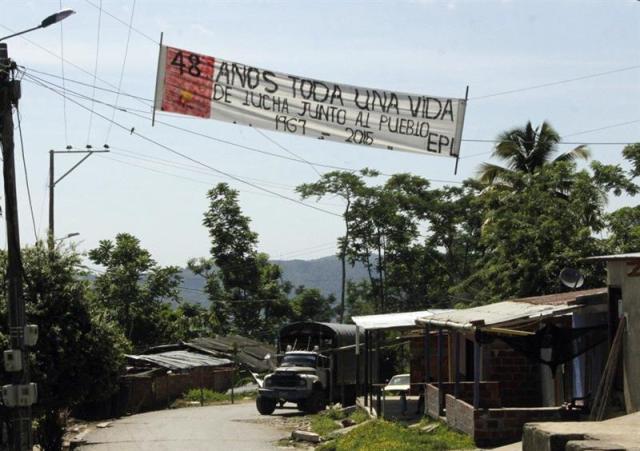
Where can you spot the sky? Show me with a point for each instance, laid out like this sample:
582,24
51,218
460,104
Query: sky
425,47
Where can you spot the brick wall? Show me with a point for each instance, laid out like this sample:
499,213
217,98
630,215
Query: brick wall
159,391
489,395
498,426
519,376
417,361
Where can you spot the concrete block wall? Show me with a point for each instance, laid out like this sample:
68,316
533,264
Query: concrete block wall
417,362
489,395
497,426
518,375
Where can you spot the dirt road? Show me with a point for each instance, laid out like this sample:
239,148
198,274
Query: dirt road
224,427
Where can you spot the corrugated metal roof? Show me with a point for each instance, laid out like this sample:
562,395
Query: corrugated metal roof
500,313
180,360
629,256
403,320
569,297
251,353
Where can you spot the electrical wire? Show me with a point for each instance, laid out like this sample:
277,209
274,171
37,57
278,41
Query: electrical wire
64,101
267,137
99,7
26,174
558,82
95,72
124,63
187,157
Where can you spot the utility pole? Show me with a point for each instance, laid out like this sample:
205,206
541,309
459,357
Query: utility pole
18,366
53,182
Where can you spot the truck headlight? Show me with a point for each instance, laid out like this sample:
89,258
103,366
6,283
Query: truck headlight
267,382
302,382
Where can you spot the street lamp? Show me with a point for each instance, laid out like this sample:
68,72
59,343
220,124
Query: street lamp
20,394
50,20
69,235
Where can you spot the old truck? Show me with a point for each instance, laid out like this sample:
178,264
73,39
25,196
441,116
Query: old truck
318,364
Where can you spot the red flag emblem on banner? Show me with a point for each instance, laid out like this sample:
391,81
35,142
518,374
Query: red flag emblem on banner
188,83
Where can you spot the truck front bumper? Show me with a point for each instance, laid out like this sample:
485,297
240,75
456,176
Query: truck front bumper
284,393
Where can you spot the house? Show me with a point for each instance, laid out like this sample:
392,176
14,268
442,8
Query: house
502,365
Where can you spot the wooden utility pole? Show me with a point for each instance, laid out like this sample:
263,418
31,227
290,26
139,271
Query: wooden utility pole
20,415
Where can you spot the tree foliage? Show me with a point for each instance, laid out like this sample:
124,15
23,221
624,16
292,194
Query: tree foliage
79,356
247,293
135,291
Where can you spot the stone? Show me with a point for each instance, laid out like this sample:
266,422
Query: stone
106,424
429,428
305,436
347,422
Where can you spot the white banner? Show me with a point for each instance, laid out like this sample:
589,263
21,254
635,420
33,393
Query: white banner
204,86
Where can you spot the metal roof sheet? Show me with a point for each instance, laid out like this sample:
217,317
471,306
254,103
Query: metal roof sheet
180,360
500,313
569,297
403,320
629,256
251,353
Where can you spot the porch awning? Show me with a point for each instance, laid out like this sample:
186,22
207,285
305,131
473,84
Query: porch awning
404,320
516,311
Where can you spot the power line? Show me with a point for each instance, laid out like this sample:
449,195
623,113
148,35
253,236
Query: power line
169,149
554,83
64,101
89,85
124,62
287,150
26,174
99,7
95,72
620,124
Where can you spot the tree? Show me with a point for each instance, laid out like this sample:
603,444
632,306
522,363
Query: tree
134,291
308,304
79,356
248,292
530,235
526,150
346,185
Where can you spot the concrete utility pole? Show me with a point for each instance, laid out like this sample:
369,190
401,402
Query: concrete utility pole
20,418
53,182
20,394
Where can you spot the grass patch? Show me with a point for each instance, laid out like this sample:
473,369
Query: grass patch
382,435
207,395
323,424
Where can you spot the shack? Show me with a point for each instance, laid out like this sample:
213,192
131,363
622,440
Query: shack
513,362
154,381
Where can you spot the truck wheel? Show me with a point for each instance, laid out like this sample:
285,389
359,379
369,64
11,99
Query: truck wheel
265,406
315,403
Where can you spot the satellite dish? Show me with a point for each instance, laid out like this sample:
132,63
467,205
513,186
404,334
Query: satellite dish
571,278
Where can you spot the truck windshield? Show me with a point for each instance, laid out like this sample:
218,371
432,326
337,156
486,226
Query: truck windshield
299,360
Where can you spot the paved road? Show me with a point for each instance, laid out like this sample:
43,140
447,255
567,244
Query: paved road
224,427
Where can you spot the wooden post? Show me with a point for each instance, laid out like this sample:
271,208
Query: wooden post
427,363
440,397
456,370
366,367
477,352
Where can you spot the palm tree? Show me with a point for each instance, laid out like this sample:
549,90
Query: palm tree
525,150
